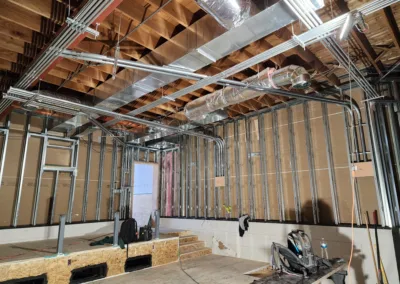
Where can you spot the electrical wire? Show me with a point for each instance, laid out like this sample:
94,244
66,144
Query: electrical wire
180,262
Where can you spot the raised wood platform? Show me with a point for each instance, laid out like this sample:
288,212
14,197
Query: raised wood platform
38,258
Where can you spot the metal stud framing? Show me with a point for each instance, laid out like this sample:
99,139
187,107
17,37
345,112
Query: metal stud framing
278,167
113,179
216,174
197,193
87,176
250,187
101,172
5,132
293,165
206,178
22,170
237,169
227,190
331,166
263,166
311,166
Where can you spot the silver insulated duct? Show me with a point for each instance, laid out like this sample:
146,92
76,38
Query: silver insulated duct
295,76
228,13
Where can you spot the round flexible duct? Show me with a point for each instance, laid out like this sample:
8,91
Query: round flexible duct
293,75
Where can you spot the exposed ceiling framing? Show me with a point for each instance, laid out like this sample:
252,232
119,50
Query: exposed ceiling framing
158,33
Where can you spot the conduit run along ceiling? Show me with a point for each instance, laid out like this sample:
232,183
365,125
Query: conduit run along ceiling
160,34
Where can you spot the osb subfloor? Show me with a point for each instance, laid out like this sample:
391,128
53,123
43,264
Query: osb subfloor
28,250
207,269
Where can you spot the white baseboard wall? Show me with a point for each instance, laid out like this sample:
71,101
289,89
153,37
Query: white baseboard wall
31,234
223,237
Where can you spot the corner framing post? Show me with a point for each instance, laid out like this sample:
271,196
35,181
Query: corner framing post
61,232
176,182
227,189
6,132
206,178
387,159
101,173
74,174
250,187
42,162
293,165
122,186
395,137
113,179
22,170
311,166
197,197
237,168
87,176
263,166
54,196
278,168
331,166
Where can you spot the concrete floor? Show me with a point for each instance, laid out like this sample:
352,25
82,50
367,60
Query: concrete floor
207,269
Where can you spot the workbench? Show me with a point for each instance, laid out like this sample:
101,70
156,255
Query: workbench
320,275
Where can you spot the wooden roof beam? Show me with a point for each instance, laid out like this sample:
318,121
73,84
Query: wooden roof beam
392,24
363,41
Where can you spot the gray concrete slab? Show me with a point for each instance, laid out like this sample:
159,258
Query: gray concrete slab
208,269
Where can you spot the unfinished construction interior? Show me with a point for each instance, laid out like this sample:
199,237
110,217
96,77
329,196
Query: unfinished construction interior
236,141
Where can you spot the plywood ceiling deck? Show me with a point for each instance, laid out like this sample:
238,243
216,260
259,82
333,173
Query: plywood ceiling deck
26,26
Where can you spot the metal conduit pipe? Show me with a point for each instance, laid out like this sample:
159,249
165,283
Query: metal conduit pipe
76,108
187,74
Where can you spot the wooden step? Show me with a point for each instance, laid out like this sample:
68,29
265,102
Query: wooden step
191,246
188,239
195,253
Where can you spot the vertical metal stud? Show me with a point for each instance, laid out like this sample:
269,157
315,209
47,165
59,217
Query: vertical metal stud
263,166
395,138
181,176
87,176
22,170
388,164
188,167
73,180
113,179
197,197
54,197
237,169
227,189
61,231
216,174
163,184
350,151
206,178
278,168
122,180
6,132
42,159
311,166
101,173
380,185
146,155
250,187
293,165
331,166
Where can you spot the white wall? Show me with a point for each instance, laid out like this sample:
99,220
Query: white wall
19,235
256,243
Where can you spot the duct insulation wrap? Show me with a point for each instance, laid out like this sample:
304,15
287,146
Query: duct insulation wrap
229,13
293,75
